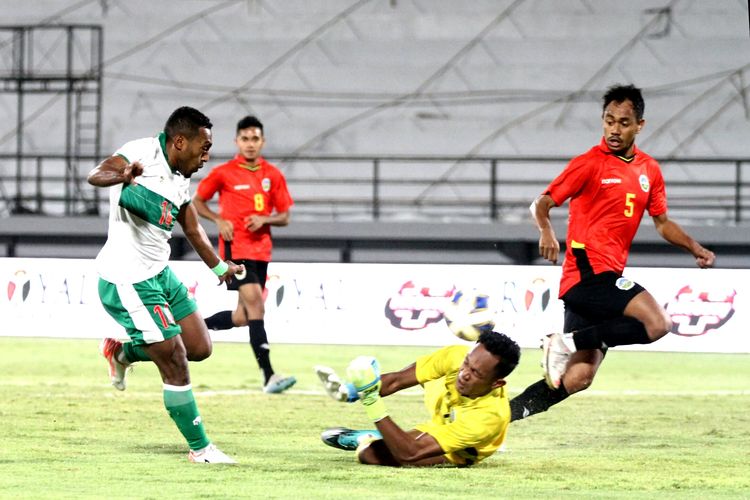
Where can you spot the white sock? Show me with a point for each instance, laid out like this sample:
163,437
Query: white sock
567,339
121,358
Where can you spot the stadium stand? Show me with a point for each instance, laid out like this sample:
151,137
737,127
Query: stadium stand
392,117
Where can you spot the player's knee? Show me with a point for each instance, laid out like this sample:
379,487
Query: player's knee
241,317
375,452
366,456
666,324
579,379
659,327
199,353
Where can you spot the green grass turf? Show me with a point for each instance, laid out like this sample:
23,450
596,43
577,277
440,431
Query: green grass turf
654,425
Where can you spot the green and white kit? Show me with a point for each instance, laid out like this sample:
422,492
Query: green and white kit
142,214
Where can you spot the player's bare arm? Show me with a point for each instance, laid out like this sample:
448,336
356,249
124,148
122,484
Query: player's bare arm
196,235
406,448
674,234
396,381
549,247
403,447
255,222
226,229
114,170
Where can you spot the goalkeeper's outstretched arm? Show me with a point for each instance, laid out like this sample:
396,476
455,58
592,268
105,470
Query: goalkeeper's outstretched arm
344,391
396,381
397,447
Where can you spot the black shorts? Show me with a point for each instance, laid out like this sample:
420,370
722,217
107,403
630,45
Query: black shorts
256,270
597,298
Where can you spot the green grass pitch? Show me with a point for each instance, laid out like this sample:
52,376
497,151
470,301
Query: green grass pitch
654,425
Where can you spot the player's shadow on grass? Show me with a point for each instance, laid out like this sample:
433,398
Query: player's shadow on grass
159,450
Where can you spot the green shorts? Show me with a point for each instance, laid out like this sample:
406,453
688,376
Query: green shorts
148,310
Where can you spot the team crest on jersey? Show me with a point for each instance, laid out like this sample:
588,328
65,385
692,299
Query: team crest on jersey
624,284
266,184
644,183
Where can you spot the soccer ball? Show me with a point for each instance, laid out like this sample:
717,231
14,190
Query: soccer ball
468,314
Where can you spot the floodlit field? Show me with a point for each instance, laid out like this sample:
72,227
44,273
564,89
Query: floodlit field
655,425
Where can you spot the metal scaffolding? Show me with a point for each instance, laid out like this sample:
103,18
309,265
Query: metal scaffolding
62,61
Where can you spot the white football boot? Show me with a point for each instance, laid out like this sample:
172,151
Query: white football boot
555,356
278,384
110,348
210,455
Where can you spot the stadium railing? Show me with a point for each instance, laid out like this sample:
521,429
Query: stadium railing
399,188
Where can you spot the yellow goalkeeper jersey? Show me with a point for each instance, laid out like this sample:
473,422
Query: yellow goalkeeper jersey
468,430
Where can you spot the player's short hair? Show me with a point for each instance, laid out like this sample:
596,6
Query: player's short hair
186,121
249,121
622,93
504,348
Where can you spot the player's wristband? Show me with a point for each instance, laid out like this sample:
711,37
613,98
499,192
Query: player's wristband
351,392
220,268
376,410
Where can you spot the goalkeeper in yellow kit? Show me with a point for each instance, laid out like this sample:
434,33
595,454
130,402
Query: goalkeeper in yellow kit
464,393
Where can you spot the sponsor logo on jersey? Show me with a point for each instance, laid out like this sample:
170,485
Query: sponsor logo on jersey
643,180
266,184
417,305
696,312
241,187
612,181
624,283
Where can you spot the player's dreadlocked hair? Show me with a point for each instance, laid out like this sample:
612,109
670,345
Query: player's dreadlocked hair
622,93
504,348
186,121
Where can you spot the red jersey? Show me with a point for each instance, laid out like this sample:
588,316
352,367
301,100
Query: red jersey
608,196
244,192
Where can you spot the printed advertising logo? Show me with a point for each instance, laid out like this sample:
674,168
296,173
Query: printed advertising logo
61,286
537,296
18,287
695,312
273,290
415,306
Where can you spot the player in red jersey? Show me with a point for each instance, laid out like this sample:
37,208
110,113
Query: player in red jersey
609,187
253,196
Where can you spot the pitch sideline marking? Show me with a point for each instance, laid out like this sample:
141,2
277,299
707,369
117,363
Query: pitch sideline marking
417,393
591,393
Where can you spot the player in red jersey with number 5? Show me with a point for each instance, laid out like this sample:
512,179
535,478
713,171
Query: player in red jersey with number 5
253,196
609,187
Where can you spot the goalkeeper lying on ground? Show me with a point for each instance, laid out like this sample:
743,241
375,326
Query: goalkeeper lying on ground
464,392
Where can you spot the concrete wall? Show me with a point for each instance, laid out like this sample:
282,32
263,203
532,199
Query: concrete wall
411,76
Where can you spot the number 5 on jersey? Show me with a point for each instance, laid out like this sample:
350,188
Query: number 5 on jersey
629,204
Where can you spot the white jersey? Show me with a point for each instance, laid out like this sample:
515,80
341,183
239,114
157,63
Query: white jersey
142,214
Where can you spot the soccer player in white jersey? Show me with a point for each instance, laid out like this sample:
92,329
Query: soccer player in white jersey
149,181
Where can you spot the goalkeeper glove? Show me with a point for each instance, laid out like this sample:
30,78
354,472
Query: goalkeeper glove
334,386
364,372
